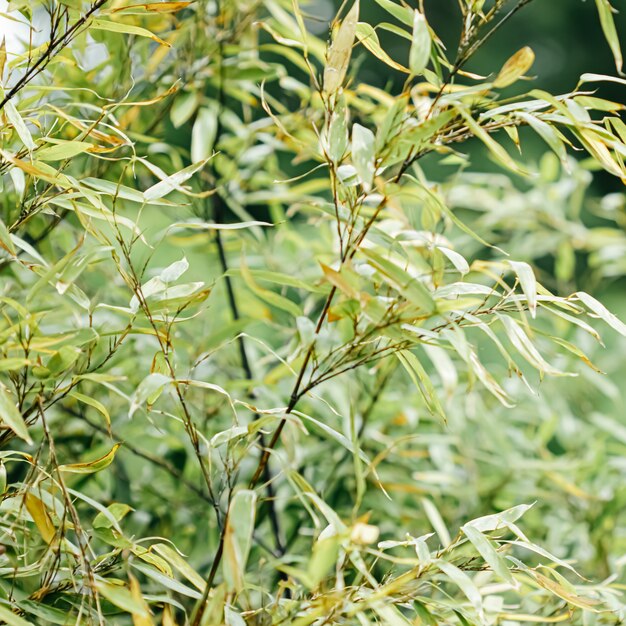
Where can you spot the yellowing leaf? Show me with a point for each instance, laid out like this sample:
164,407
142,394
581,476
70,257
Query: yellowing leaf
368,37
515,68
574,599
336,279
498,152
38,170
41,517
127,29
340,50
122,598
91,467
168,617
180,564
139,618
153,7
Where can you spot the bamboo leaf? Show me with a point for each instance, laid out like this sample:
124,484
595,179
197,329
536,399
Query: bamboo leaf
605,11
238,537
126,29
41,517
363,154
11,415
11,618
515,68
340,51
596,307
421,43
486,549
91,467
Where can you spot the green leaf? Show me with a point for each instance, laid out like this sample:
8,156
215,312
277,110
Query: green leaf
92,402
548,133
504,519
323,557
63,150
167,581
126,29
149,390
47,614
528,282
499,153
268,296
605,11
421,43
363,154
434,517
238,538
173,182
176,560
602,312
11,415
409,287
463,582
91,467
337,132
203,134
121,597
15,119
526,348
485,548
11,618
401,13
422,382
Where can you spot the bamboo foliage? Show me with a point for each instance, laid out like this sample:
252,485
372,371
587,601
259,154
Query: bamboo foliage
265,329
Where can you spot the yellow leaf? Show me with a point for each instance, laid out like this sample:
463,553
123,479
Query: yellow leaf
153,7
139,619
515,68
41,517
340,50
368,37
168,618
588,604
92,466
3,56
336,279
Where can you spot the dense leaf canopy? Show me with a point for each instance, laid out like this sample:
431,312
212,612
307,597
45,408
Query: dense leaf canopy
301,317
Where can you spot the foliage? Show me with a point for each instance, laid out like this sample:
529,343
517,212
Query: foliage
274,351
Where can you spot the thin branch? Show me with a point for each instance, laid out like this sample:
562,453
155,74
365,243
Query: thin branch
55,46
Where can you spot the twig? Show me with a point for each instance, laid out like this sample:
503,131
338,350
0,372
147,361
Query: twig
54,47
